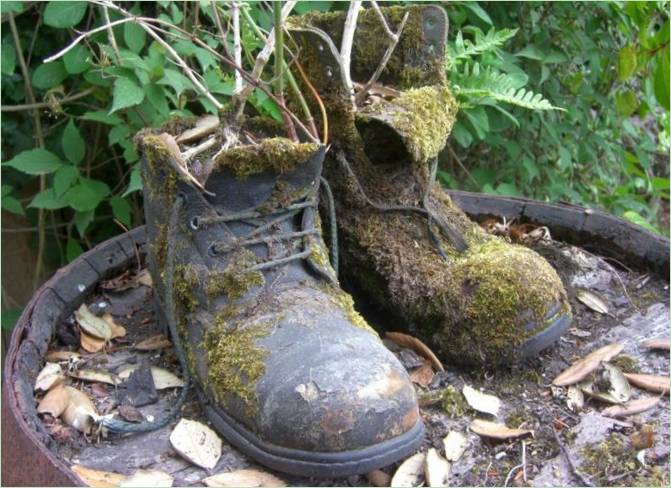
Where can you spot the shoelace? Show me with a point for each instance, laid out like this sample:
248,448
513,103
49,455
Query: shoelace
453,235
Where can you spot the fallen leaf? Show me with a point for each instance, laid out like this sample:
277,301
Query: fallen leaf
497,431
650,382
96,376
575,399
631,407
92,325
97,478
405,340
436,469
144,278
481,402
54,402
244,477
55,356
117,330
130,413
579,332
423,375
80,411
158,341
197,443
49,376
592,301
455,445
148,478
410,472
162,377
580,369
204,126
90,343
377,477
100,390
644,438
660,343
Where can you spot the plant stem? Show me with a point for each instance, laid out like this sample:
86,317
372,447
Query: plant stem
279,48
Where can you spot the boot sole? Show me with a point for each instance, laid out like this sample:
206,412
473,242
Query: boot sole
545,338
311,463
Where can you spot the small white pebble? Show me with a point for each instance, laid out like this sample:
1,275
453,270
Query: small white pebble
500,455
81,288
102,305
150,418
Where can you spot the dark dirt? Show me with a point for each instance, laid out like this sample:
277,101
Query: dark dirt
528,399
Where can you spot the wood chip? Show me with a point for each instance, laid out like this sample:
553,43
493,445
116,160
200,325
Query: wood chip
97,478
55,356
158,341
581,368
592,301
95,376
117,330
455,445
204,126
144,278
162,377
405,340
90,343
631,407
661,343
377,477
148,478
49,376
423,375
644,438
245,478
410,472
497,431
92,325
80,411
197,443
650,382
54,402
436,469
481,402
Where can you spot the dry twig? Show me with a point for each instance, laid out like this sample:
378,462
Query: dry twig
346,45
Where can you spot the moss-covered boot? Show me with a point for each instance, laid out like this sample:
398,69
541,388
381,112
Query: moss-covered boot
288,371
405,247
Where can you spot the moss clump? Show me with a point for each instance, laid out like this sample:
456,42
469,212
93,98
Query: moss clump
277,154
453,402
626,364
236,279
609,459
236,363
423,116
185,281
156,154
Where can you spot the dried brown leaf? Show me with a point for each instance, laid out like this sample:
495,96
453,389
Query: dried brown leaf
455,445
581,368
204,126
377,477
644,438
95,376
245,478
92,325
148,478
162,377
80,411
144,278
410,472
497,431
90,343
650,382
592,301
54,402
158,341
130,413
117,330
405,340
97,478
55,356
631,407
436,469
197,443
49,376
659,343
423,375
575,399
481,402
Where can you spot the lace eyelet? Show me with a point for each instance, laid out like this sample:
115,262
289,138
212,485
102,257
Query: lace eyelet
212,251
181,196
194,223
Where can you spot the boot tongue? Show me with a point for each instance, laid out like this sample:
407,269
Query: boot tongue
247,176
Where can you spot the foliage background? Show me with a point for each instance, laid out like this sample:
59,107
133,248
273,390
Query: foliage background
70,177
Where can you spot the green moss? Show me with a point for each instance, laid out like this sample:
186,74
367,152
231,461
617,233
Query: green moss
518,417
453,402
626,364
655,476
277,154
185,281
608,459
235,280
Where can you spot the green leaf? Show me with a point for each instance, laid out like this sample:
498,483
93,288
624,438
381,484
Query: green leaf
76,60
10,317
64,14
47,199
306,6
462,135
661,78
64,177
49,75
134,36
135,182
638,219
103,117
478,118
479,12
118,134
531,52
126,94
7,6
625,103
508,189
176,80
35,162
467,49
11,204
626,62
8,60
87,194
156,96
74,146
121,210
72,250
83,220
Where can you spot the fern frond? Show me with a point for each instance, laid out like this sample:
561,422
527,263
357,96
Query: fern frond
483,43
477,82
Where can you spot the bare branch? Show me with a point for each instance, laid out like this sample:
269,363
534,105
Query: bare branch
31,106
346,45
237,46
110,35
383,21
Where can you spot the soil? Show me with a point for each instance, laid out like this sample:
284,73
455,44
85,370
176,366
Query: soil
638,306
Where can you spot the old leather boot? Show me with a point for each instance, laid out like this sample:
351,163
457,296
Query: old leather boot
405,247
288,371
